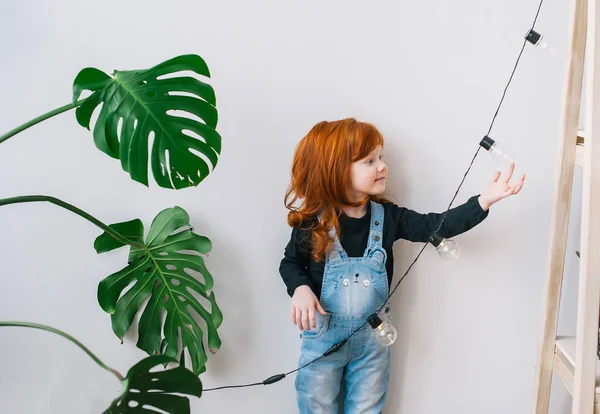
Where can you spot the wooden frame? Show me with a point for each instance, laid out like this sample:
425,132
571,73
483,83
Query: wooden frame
562,202
575,359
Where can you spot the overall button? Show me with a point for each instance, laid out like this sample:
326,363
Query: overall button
376,238
376,223
366,283
346,282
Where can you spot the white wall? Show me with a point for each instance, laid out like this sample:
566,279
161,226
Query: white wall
429,74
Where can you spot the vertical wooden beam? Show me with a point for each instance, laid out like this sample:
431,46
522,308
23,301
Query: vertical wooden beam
589,267
562,199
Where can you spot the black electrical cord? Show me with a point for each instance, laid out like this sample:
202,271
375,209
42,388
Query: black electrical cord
336,347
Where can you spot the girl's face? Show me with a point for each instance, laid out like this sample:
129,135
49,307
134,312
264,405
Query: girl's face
368,176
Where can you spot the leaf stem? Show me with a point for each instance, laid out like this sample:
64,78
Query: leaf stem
40,118
64,335
79,212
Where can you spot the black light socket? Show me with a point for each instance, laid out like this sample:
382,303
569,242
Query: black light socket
375,321
533,37
487,143
436,239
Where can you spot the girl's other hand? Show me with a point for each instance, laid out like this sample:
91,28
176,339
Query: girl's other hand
304,306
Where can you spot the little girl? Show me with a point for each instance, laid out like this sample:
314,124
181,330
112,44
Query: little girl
338,264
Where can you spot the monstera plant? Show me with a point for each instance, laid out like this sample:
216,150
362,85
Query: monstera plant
174,114
144,391
136,106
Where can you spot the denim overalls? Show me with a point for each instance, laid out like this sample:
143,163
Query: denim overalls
353,288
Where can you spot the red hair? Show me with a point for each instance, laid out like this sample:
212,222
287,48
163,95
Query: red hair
321,175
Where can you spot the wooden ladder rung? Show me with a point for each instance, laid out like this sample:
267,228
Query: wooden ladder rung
564,366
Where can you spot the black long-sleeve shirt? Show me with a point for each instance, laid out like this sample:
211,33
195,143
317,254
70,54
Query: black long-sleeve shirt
299,268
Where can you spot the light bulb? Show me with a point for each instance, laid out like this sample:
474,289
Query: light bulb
501,153
385,333
538,40
448,249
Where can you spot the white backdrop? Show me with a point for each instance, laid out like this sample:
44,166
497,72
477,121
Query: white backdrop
429,74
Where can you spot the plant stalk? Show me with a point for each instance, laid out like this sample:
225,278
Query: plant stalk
65,335
39,119
79,212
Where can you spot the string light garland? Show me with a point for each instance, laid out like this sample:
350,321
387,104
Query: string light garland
501,153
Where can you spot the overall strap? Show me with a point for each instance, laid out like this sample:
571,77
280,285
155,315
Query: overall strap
376,231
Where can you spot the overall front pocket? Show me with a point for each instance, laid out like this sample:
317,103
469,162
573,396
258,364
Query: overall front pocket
322,323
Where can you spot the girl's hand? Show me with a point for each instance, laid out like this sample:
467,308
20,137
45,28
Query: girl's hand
499,188
304,304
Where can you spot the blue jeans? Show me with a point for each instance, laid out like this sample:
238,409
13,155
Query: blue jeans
353,288
362,363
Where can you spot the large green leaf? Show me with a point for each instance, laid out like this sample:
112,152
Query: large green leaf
132,230
152,392
163,272
140,100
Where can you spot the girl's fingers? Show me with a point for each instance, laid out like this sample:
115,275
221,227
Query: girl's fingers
519,186
299,318
305,320
293,312
509,174
311,317
496,176
320,309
